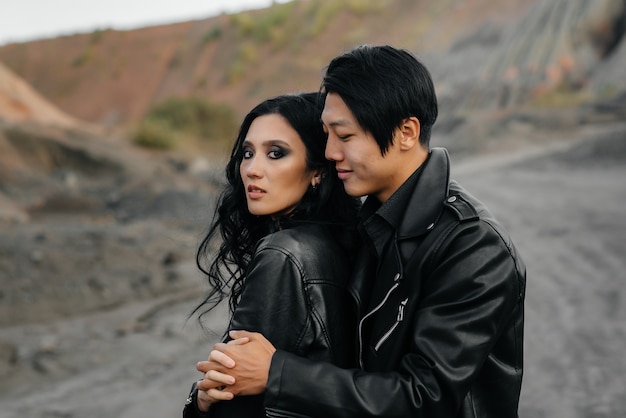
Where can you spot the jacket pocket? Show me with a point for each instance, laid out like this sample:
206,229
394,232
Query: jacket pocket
389,332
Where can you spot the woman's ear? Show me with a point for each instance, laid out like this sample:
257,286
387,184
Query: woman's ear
410,133
317,178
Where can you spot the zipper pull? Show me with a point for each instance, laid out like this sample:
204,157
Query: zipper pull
401,309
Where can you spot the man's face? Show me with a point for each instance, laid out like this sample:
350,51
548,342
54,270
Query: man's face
359,162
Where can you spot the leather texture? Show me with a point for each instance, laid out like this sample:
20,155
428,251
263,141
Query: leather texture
296,294
446,336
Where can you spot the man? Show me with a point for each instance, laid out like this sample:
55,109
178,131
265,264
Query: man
438,284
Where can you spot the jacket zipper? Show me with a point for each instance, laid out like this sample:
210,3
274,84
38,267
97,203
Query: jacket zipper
277,413
372,312
399,319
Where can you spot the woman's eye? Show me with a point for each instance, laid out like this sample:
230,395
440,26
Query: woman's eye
276,153
247,154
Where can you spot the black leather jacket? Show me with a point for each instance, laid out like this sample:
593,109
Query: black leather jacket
446,334
296,294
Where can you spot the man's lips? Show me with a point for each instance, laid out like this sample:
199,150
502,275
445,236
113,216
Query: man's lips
343,174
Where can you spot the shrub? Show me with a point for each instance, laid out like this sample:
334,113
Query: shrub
561,96
83,58
321,13
176,119
211,35
244,23
96,35
263,26
365,7
154,134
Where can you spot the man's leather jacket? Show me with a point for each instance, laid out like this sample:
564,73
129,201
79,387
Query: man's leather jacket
446,335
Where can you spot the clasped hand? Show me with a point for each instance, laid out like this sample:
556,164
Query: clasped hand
239,367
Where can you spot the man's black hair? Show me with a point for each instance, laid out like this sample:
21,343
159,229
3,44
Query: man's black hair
383,86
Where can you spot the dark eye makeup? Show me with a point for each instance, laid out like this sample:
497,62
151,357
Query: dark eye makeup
276,152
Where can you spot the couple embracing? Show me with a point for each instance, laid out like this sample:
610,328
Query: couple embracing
407,305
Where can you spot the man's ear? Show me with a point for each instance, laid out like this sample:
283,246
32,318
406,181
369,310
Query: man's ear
409,133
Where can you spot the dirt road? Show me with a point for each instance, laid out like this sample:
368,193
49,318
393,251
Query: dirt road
564,206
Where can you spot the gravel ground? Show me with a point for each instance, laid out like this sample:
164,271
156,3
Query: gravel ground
563,204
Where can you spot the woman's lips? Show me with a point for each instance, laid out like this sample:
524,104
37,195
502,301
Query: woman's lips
255,192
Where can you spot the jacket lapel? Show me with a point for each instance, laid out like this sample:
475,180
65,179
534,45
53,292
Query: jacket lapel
426,202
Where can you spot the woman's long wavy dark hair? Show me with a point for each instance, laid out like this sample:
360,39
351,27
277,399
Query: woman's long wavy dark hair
239,230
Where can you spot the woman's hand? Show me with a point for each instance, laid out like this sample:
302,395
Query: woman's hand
246,360
206,398
211,388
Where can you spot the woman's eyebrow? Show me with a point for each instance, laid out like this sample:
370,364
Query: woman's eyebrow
267,143
280,142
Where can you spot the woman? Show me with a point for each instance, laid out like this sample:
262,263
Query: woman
286,228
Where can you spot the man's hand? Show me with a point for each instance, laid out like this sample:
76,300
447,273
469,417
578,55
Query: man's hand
247,363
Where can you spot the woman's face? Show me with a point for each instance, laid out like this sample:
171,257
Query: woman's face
273,170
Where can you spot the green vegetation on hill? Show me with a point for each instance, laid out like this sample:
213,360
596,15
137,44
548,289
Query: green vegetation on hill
176,120
485,56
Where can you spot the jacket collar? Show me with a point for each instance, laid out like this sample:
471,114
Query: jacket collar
426,202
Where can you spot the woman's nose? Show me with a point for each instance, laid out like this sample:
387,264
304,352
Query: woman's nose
253,168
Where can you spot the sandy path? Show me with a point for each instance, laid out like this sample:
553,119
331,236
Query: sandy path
564,206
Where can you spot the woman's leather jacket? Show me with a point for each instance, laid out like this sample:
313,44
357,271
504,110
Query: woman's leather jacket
296,294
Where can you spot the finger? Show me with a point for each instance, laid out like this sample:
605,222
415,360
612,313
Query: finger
239,341
205,366
208,397
220,395
219,378
218,347
217,356
207,384
236,334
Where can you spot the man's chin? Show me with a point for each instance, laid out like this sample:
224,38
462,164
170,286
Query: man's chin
354,191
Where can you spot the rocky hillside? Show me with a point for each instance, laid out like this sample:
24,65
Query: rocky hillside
62,99
70,185
20,102
555,50
483,55
89,222
98,236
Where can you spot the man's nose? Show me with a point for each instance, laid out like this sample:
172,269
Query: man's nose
333,149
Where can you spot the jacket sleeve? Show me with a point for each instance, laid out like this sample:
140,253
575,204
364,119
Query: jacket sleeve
468,298
273,300
191,405
272,303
